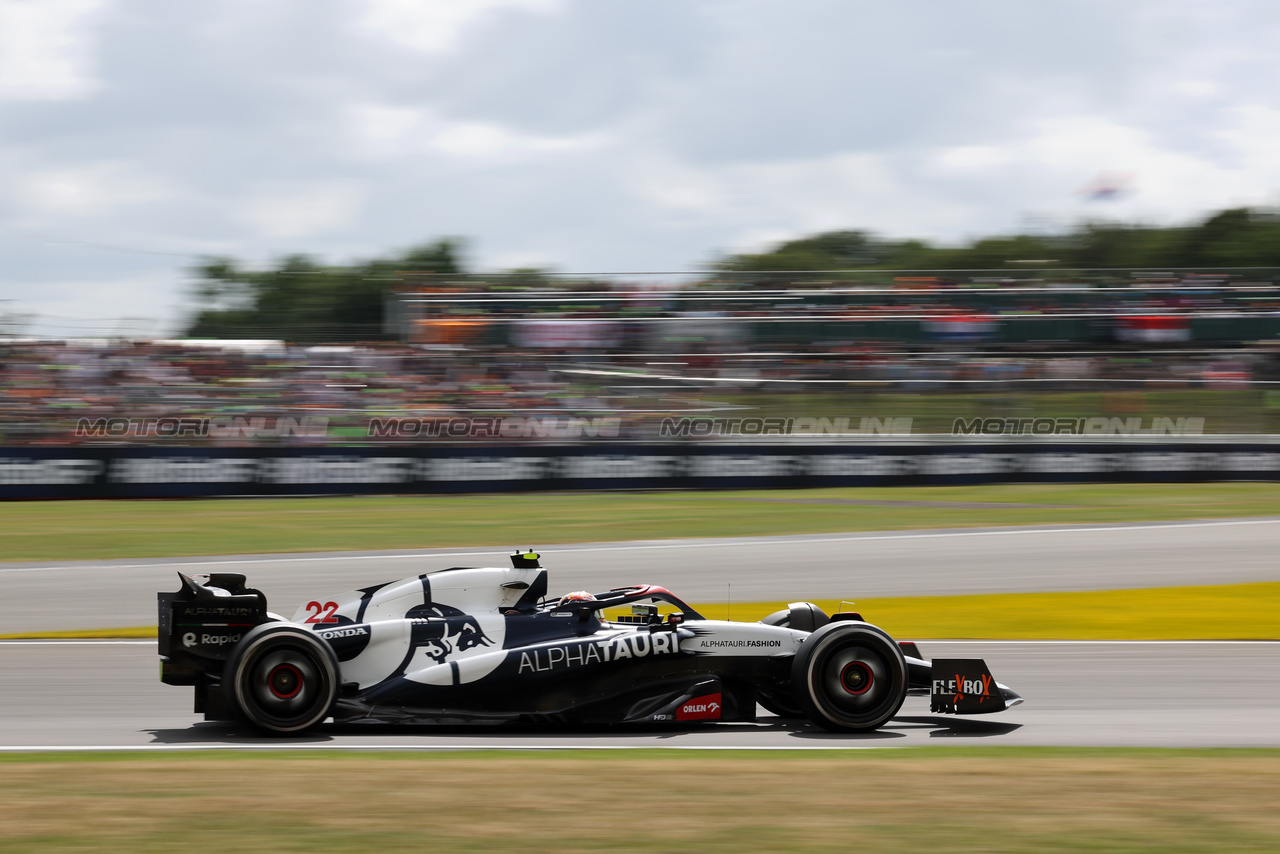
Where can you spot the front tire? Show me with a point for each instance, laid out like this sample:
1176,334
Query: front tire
849,677
282,679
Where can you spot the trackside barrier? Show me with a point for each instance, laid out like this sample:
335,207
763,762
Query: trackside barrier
152,472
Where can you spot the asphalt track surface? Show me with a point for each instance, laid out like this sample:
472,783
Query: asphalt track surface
61,695
84,595
105,695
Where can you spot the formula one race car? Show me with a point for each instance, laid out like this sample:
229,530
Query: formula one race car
486,645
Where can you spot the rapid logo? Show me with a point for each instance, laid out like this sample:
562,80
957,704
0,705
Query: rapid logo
190,639
963,686
637,645
704,708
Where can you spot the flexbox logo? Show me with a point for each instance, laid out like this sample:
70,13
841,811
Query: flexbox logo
959,686
963,686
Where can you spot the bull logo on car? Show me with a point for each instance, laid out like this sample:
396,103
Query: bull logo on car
442,637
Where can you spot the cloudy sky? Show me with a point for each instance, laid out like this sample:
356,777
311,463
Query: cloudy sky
594,135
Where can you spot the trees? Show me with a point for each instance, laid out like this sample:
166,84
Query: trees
1240,237
301,300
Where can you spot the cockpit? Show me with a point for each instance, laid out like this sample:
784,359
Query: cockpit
644,604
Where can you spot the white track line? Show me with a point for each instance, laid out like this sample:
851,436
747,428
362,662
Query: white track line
442,748
641,545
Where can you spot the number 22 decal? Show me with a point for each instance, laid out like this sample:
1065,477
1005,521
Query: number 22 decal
325,613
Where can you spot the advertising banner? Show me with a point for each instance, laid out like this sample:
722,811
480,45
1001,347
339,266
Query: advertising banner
152,472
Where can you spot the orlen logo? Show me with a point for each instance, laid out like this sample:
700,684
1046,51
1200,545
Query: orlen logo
980,687
702,708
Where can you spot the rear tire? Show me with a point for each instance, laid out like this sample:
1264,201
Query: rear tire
849,677
282,679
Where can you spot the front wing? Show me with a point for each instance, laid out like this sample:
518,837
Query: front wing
964,686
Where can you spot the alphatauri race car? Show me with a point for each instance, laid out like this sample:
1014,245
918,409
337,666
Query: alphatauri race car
486,645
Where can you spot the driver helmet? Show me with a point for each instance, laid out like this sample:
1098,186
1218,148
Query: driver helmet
576,596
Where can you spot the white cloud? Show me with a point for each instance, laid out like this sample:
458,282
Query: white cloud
759,203
1196,89
531,260
45,49
870,191
966,159
1251,133
86,190
381,130
594,135
681,188
291,211
437,26
1170,183
142,303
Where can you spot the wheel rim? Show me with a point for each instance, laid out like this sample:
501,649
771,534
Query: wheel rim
856,678
854,681
281,679
283,684
285,681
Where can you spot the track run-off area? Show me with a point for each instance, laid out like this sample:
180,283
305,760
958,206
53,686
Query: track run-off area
105,695
1196,693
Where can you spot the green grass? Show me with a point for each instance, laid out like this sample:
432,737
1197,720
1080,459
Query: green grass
916,800
69,530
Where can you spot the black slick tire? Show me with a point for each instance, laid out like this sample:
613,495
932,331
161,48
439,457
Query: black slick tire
281,679
849,677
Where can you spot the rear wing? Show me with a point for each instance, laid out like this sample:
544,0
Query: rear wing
205,618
